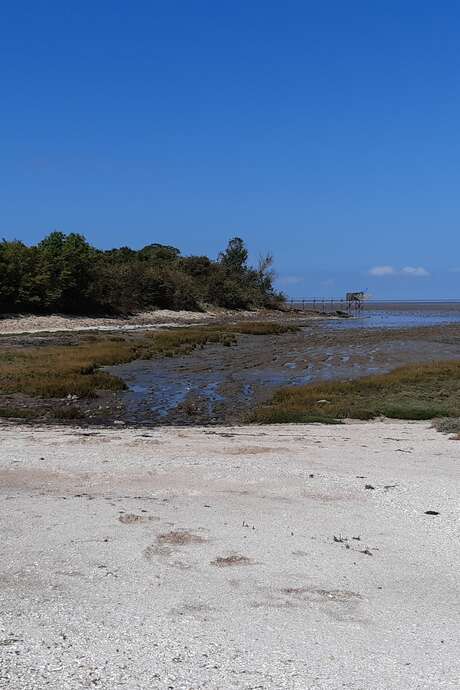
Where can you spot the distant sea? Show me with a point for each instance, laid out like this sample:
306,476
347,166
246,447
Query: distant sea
382,314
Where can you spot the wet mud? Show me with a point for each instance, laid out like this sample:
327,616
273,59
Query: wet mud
222,385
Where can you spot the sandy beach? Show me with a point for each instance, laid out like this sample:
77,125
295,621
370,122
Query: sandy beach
231,557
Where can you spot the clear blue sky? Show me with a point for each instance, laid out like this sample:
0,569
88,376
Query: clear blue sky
328,133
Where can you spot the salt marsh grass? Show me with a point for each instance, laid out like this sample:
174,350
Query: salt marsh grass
60,371
420,391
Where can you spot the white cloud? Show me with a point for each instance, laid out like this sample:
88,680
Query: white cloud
411,271
417,272
290,280
382,271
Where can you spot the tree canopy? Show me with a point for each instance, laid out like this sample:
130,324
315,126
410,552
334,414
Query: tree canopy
65,273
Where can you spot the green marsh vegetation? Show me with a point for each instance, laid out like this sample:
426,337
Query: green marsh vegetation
60,371
422,391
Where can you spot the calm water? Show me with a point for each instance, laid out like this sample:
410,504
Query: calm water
405,316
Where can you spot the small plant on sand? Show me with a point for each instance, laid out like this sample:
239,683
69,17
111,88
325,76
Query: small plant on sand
449,425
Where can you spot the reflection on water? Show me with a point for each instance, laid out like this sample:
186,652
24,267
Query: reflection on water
211,394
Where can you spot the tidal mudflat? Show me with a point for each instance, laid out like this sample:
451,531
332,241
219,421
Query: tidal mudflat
222,385
208,374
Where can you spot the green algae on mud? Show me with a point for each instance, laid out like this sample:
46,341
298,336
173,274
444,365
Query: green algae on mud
418,391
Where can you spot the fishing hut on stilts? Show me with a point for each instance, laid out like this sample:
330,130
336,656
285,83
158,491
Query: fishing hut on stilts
355,302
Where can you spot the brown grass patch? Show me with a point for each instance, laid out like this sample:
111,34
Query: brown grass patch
59,371
229,561
180,538
252,450
262,328
335,595
132,519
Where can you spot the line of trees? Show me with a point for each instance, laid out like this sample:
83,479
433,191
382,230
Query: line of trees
65,273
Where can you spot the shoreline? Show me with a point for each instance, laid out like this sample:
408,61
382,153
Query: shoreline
156,320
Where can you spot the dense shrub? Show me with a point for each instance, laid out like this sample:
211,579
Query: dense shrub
65,273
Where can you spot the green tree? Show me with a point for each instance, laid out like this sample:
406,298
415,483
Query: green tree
234,258
17,277
159,254
65,273
66,265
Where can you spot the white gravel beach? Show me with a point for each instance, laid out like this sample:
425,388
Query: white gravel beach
160,318
245,557
56,323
